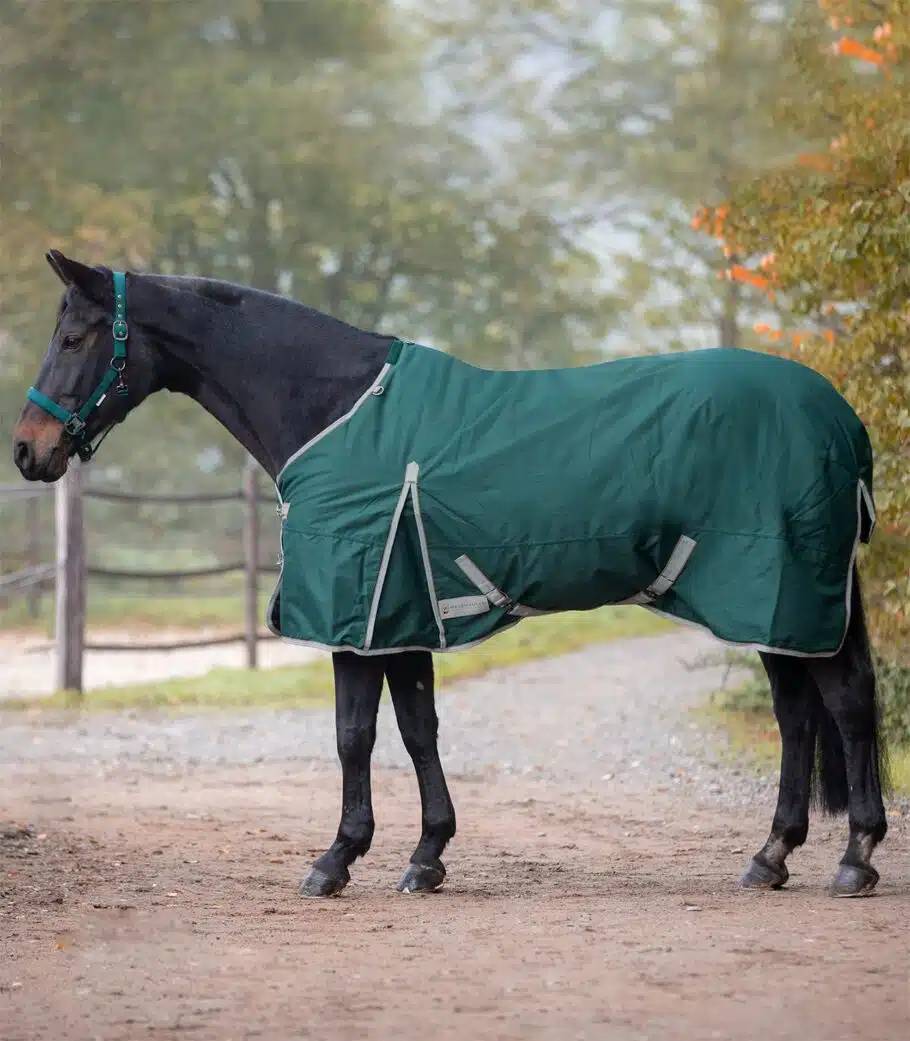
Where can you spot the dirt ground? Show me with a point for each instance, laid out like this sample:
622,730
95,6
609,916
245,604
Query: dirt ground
165,907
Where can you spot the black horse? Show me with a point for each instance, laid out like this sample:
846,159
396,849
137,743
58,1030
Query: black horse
276,373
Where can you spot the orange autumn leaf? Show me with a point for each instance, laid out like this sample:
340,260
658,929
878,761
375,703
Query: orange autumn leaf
815,162
854,49
738,273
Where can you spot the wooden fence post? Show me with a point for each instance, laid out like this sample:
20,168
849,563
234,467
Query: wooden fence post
71,577
251,561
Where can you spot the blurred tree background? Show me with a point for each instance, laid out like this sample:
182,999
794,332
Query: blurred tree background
521,182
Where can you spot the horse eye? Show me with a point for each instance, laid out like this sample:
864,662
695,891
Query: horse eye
70,343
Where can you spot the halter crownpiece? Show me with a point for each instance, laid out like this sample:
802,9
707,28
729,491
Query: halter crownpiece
74,423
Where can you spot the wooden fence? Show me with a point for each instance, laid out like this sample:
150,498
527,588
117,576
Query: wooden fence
31,578
70,574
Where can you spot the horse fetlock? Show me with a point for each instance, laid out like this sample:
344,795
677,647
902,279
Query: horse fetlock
356,837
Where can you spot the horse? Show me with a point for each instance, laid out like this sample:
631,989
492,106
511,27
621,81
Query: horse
279,375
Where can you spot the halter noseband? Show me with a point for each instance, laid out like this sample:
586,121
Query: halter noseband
74,423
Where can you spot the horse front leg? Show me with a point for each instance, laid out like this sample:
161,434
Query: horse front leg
358,688
410,677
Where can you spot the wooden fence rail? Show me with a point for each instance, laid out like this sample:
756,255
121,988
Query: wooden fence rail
34,578
71,572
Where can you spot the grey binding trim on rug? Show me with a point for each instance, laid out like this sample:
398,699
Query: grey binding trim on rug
425,553
870,507
376,387
410,476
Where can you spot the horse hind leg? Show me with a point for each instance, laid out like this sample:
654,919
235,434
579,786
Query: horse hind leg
847,685
796,703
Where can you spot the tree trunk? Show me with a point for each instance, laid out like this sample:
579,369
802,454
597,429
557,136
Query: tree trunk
728,322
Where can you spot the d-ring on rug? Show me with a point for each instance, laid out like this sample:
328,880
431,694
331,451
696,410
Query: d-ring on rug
724,488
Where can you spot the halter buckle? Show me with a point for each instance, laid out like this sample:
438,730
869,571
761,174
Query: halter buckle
120,330
74,425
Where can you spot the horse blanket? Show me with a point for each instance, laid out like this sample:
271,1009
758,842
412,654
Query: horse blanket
724,488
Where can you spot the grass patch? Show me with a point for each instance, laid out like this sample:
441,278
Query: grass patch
752,735
744,714
310,685
115,611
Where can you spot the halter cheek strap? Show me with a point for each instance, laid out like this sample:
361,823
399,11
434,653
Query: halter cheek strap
74,423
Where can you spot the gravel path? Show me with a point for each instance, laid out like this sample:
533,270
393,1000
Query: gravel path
616,714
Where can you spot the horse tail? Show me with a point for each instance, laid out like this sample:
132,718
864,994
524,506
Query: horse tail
830,790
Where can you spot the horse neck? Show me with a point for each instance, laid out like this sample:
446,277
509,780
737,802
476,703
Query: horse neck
271,371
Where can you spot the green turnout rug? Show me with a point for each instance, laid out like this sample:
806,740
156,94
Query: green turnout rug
724,488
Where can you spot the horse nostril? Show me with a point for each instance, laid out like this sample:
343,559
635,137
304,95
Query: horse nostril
23,456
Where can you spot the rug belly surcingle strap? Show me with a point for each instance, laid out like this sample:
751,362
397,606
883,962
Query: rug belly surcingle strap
668,576
465,606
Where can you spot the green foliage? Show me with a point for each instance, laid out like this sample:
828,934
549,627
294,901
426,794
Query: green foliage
288,146
894,690
627,114
679,98
833,226
753,696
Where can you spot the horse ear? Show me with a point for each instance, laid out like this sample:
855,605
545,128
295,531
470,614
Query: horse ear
93,281
53,257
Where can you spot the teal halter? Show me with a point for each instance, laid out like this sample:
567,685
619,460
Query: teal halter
74,423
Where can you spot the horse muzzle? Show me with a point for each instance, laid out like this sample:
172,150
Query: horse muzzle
39,449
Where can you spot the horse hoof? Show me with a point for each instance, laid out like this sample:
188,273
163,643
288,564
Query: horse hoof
422,878
319,884
762,874
851,880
